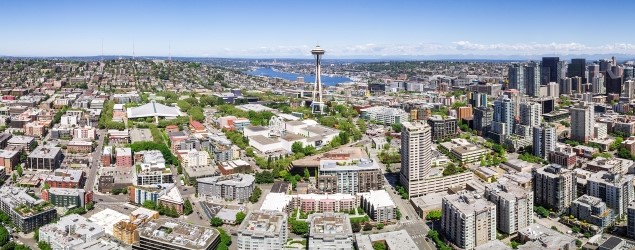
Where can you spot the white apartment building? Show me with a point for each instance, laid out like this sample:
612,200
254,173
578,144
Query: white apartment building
416,156
263,230
514,205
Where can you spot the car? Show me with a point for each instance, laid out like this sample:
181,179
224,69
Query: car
407,217
101,199
185,189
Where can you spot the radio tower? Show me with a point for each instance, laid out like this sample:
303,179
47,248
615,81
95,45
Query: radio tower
317,106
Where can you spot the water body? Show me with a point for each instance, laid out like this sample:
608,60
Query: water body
326,80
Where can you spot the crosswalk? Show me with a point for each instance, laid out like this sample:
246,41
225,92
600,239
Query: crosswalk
407,223
417,236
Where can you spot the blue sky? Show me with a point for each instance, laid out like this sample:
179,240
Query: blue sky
346,29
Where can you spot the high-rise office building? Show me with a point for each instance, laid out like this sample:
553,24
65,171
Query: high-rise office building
566,86
532,74
483,117
613,83
615,189
593,71
551,66
597,85
544,140
516,76
416,156
514,205
577,67
555,187
468,220
582,123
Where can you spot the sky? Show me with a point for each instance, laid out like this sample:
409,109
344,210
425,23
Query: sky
289,29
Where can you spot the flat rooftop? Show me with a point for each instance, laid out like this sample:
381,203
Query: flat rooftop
44,152
236,180
395,240
178,233
263,223
329,224
348,165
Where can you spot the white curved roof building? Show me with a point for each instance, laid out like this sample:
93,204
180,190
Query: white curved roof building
153,109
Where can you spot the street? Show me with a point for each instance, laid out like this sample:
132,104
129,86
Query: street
95,161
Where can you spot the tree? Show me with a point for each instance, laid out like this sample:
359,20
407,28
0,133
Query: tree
13,177
397,127
380,226
264,177
379,245
19,170
299,227
149,204
90,206
307,175
240,216
36,234
514,244
368,227
187,207
297,147
255,195
4,236
216,222
356,226
575,229
578,243
249,151
43,245
541,211
434,215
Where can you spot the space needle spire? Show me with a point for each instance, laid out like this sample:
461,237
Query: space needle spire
317,105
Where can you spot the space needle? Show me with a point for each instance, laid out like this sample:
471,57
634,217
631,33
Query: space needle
317,106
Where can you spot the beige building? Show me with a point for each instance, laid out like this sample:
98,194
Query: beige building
468,220
416,156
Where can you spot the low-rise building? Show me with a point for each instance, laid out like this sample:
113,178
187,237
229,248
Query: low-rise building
9,160
593,210
140,194
173,199
69,232
67,197
229,187
378,205
263,230
44,158
173,234
22,142
106,157
385,115
541,237
66,178
151,170
123,157
393,240
76,146
330,231
463,150
27,213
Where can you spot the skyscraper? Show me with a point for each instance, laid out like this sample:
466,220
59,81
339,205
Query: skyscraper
582,123
551,66
577,67
613,83
416,156
516,76
544,140
593,71
532,79
468,220
555,187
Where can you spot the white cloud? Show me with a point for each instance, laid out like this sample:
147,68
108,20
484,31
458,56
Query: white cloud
424,49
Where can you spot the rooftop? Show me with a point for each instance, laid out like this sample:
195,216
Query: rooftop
275,202
348,165
332,225
72,230
237,180
264,223
44,152
65,175
548,238
395,240
379,198
153,109
172,195
178,233
107,218
469,202
20,139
